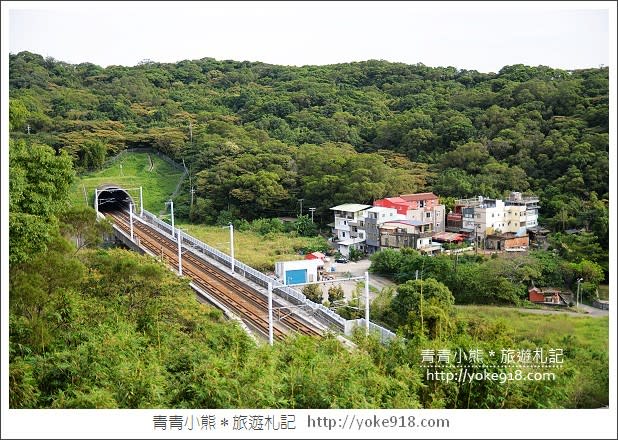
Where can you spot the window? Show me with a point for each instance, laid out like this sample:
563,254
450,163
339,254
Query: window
428,215
343,234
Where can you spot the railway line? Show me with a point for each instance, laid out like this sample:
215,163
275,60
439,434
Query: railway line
250,305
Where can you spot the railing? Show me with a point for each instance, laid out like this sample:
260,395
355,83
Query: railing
162,156
385,334
324,314
288,293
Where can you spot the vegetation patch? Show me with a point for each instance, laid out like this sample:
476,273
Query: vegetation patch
158,180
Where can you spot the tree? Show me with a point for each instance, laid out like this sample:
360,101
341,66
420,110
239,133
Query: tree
304,226
386,262
39,186
313,292
356,254
81,223
423,307
18,115
335,293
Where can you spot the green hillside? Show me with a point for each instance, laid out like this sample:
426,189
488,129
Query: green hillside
157,178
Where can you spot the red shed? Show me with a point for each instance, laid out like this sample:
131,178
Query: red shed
536,295
315,256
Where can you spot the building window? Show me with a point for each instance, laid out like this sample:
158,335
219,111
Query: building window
343,234
428,215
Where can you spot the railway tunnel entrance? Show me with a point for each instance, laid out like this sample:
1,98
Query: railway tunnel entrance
110,198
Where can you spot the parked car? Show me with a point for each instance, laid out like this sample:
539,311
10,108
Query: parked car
342,260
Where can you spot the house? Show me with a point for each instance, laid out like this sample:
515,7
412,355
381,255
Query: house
426,207
454,220
482,217
421,207
402,206
448,237
349,227
406,233
538,236
546,296
375,217
529,205
506,241
421,200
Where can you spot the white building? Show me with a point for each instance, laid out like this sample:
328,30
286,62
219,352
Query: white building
483,216
374,218
298,271
349,227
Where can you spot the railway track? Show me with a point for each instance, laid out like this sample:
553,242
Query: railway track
243,300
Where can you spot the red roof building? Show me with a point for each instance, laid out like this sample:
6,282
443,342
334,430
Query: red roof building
315,256
421,200
401,205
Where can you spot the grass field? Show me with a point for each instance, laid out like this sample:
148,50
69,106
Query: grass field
158,183
584,331
258,251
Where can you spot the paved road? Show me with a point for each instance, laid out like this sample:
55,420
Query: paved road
357,269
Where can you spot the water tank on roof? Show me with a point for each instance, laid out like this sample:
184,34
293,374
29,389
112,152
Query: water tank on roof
515,195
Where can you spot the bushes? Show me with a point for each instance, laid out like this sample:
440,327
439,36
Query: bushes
313,292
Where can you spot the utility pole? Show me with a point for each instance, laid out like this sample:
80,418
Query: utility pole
172,210
141,203
232,244
190,132
579,280
192,192
131,219
96,201
301,206
121,173
366,303
312,211
270,313
179,253
28,128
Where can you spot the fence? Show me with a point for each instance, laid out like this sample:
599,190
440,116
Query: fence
162,156
385,334
323,314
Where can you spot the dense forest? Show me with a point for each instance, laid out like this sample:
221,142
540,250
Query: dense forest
258,137
97,327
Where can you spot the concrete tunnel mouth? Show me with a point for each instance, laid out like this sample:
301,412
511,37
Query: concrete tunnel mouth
112,198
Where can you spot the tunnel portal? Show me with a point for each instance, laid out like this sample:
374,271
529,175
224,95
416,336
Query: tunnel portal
113,198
